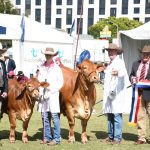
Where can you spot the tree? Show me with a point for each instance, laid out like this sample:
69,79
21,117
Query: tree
114,24
6,7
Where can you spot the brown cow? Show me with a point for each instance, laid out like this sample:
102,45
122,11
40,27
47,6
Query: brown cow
20,103
78,95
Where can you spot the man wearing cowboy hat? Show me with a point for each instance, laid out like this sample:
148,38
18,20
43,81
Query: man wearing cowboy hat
141,71
49,103
115,82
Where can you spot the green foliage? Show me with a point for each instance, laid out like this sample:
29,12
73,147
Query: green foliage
123,23
6,7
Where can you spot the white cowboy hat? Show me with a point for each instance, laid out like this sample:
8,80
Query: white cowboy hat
146,49
113,46
49,51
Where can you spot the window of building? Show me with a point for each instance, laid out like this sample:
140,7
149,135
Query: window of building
90,16
136,19
147,7
101,19
38,2
18,11
69,2
124,6
38,15
69,16
27,7
58,11
68,30
79,7
58,23
18,2
136,10
113,2
102,7
91,1
136,1
113,12
58,2
48,12
147,19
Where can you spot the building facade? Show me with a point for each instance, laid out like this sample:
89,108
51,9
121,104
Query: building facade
61,13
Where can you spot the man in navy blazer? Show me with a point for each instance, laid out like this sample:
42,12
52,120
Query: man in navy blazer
144,107
10,63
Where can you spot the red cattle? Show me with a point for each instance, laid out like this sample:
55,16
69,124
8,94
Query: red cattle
20,103
78,95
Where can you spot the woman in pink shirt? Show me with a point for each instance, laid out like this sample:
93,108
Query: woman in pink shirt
21,78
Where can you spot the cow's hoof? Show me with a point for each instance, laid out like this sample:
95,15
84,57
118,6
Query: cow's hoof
84,142
12,141
24,140
71,140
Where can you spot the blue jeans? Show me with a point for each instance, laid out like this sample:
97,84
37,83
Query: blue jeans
47,129
115,122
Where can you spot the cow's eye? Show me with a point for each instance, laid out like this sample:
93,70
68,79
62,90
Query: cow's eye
85,67
30,87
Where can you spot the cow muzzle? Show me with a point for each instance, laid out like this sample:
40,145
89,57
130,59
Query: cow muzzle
35,94
94,78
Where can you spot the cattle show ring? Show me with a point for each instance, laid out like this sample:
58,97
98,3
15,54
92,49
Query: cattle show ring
83,126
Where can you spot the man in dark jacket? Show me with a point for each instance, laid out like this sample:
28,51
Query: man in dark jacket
10,63
141,71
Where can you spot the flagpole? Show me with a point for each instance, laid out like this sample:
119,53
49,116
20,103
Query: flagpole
22,26
78,31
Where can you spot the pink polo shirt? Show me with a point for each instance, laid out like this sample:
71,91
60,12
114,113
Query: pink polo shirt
51,65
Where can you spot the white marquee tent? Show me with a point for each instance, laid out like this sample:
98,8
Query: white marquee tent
34,31
132,41
37,37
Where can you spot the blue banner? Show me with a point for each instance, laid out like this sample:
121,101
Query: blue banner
84,55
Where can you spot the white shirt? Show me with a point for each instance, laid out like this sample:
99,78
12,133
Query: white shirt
53,75
121,102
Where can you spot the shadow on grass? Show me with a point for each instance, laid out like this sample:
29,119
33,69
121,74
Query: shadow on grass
126,136
100,134
64,135
5,135
129,136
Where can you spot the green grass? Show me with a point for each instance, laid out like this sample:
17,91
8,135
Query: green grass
96,130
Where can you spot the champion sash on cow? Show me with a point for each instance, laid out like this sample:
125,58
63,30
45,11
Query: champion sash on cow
136,100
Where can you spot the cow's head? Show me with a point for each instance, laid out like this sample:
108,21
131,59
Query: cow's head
90,70
32,86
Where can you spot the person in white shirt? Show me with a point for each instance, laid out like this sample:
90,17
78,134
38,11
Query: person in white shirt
115,83
49,103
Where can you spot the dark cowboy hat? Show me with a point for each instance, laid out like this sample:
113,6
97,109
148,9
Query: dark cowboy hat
2,50
113,46
20,73
49,51
146,49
